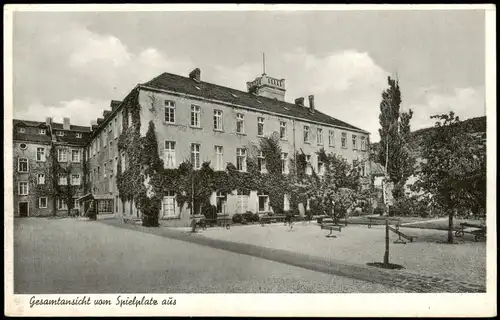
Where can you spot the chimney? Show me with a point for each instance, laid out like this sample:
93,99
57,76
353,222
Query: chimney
195,74
311,103
66,124
299,101
48,121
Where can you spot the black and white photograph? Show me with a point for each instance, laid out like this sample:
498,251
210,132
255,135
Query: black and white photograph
159,156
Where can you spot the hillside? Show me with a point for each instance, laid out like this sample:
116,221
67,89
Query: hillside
473,125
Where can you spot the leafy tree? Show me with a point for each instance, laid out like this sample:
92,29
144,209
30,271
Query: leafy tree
454,169
393,151
334,192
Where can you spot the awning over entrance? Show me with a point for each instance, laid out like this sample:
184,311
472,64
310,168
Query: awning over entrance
86,197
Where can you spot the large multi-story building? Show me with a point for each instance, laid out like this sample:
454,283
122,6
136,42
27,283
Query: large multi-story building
199,121
37,167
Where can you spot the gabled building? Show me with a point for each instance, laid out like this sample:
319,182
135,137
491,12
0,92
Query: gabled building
200,121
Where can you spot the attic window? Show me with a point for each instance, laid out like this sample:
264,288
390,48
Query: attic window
234,95
197,87
78,135
21,130
60,133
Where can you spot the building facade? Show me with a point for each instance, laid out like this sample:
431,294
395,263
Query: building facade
201,122
49,167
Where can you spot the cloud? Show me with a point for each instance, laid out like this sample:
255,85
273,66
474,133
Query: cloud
465,102
80,112
82,70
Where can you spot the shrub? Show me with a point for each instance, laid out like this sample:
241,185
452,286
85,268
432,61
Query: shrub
378,211
210,212
256,217
309,215
248,216
237,218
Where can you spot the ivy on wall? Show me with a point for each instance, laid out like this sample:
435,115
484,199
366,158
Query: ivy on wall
145,181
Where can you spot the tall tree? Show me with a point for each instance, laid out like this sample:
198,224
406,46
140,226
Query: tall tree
454,168
393,151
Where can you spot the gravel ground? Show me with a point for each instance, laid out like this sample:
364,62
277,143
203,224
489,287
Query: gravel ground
464,261
71,256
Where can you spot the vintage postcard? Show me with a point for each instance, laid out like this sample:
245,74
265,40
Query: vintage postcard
250,160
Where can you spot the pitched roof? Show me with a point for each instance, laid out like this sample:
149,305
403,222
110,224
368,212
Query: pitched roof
71,139
180,84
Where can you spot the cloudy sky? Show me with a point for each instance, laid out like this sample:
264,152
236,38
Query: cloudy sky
73,64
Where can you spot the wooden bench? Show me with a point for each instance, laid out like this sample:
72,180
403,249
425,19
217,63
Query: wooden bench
224,222
479,231
269,219
332,227
131,219
373,219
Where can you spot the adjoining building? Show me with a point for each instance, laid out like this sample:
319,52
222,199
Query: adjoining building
35,171
200,121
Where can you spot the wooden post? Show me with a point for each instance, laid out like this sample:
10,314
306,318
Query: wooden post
386,255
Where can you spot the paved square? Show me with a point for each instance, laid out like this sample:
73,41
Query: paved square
464,261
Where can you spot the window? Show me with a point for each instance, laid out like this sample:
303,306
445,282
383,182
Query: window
22,165
219,158
105,205
241,159
61,155
195,116
363,144
169,154
331,138
363,169
283,130
98,172
308,164
111,150
220,200
42,202
111,126
168,205
242,203
78,135
42,131
195,156
23,188
344,140
284,163
104,136
75,203
75,155
321,167
23,146
40,178
75,179
63,180
260,126
261,162
263,202
218,120
306,134
354,142
319,136
169,111
60,133
21,130
104,171
240,123
62,204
